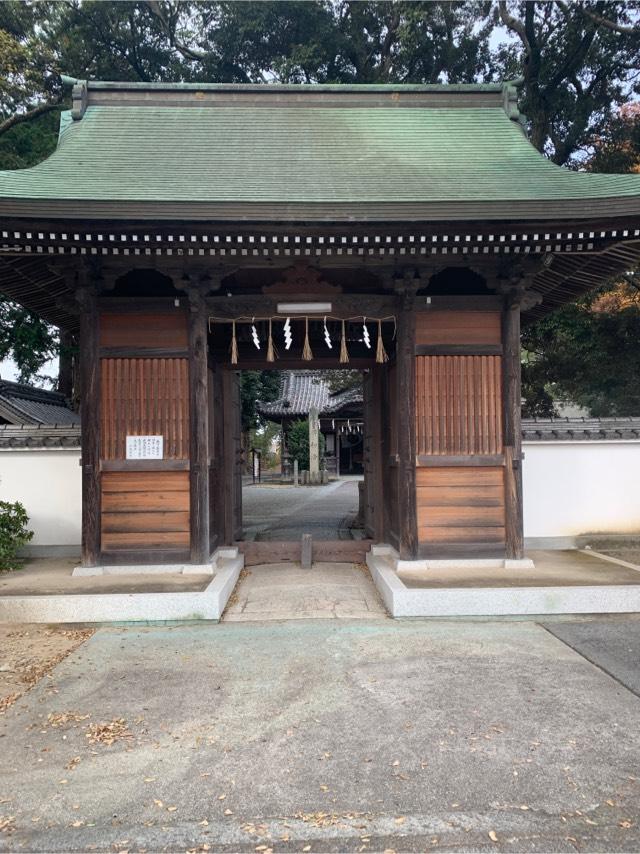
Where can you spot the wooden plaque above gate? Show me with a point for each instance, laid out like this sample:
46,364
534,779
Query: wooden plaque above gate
301,281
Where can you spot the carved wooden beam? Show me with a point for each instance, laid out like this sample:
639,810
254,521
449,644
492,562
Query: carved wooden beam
515,279
347,305
303,280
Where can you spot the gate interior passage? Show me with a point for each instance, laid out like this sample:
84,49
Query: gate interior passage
323,336
162,282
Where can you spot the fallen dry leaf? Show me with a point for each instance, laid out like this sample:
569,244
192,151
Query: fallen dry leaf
493,836
109,732
7,823
5,702
57,719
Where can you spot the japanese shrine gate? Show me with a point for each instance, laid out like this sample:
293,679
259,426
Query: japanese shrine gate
172,218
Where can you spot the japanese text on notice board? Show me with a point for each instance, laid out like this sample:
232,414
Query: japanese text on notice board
144,447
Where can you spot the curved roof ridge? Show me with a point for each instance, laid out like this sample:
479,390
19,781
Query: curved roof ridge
178,86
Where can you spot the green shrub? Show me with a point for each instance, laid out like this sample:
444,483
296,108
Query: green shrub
13,534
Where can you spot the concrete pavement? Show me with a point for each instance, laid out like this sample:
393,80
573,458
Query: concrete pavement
611,644
324,735
284,591
286,512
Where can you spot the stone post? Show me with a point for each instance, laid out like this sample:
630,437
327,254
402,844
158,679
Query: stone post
314,446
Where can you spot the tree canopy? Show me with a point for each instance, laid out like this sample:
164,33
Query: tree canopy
579,62
256,385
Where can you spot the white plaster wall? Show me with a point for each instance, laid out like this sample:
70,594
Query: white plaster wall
48,483
570,488
573,488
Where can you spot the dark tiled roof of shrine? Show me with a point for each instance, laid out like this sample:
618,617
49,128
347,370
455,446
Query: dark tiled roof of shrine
26,436
24,404
533,429
350,397
579,429
302,390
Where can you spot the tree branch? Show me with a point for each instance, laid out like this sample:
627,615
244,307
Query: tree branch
387,45
186,51
573,61
610,25
19,118
514,24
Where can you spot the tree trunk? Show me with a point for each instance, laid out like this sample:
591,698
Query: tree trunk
65,370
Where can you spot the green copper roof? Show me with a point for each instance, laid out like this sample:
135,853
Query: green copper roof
269,152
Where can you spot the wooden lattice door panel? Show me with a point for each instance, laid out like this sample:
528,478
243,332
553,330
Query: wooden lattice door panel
145,397
459,405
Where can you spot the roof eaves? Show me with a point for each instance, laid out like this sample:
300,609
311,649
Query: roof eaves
13,413
292,213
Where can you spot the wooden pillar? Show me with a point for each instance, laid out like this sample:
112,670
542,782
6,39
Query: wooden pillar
374,430
90,416
216,466
199,430
512,403
406,418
